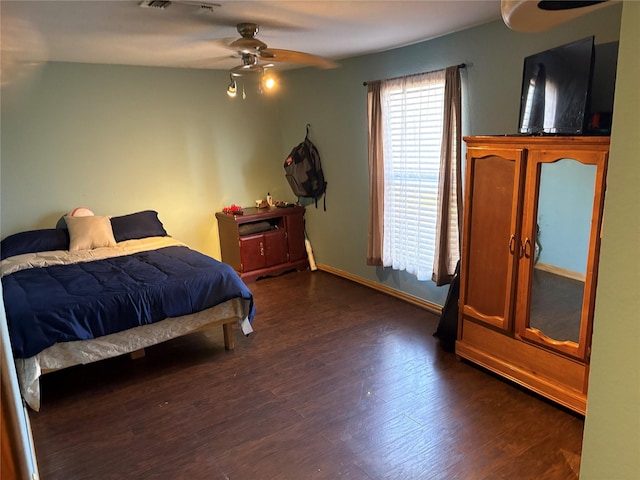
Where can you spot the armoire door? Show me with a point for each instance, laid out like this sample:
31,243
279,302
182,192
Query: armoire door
493,197
564,198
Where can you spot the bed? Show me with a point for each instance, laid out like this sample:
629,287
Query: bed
104,287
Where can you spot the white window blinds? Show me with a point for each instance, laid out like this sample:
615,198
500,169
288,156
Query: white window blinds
412,131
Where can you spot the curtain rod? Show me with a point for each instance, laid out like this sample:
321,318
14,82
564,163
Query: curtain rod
460,65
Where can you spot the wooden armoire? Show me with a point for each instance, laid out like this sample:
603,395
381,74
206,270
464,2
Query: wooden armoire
529,262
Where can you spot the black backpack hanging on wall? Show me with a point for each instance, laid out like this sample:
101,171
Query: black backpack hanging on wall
303,171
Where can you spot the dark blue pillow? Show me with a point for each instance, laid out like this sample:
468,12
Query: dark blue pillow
137,225
34,241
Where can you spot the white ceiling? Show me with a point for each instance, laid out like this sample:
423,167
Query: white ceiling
185,35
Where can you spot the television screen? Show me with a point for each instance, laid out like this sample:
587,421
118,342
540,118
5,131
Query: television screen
555,89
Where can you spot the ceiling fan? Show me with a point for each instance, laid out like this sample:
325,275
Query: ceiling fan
248,48
251,50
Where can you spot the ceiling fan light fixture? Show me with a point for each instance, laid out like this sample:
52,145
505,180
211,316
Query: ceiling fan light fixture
232,89
269,81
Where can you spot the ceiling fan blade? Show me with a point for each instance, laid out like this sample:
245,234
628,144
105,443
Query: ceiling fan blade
291,56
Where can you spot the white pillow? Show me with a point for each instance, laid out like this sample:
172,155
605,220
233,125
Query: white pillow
86,233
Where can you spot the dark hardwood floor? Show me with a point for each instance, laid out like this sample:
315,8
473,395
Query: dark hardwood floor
338,381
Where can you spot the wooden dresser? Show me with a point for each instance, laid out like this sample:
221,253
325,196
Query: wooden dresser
263,241
529,262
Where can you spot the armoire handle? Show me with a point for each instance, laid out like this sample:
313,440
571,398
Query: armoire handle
526,252
512,244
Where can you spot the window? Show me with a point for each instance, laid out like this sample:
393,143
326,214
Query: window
413,115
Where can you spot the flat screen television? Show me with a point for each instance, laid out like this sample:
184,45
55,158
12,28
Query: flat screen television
556,85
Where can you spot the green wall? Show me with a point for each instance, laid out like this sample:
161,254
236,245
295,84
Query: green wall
611,444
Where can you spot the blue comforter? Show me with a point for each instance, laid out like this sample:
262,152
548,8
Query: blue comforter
86,300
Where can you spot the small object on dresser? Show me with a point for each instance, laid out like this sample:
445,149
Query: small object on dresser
233,209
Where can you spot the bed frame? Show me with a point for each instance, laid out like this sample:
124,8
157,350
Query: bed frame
132,341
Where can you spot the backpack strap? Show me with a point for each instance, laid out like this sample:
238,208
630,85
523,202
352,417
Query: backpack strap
324,200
